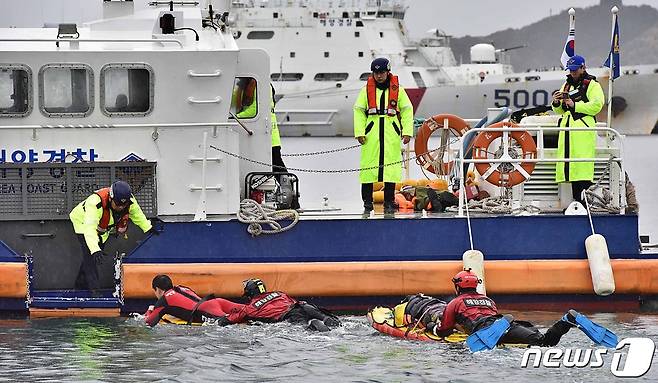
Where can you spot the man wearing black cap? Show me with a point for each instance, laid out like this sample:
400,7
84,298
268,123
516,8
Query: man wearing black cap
106,211
383,116
578,101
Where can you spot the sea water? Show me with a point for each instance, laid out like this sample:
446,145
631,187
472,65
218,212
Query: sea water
125,350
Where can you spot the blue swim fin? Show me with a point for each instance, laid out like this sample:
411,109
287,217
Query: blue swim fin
488,337
599,334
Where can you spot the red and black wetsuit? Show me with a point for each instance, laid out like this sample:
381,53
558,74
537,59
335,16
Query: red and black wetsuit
276,306
267,307
183,303
470,312
466,311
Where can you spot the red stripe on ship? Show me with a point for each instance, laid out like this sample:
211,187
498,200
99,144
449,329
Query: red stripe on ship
415,96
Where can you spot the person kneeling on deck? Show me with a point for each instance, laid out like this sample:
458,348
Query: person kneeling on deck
107,211
183,303
424,198
276,306
470,312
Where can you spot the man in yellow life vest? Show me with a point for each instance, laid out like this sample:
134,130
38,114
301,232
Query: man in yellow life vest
578,101
106,211
245,101
383,117
277,160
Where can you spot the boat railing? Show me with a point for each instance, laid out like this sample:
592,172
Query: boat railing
284,115
612,135
155,126
75,41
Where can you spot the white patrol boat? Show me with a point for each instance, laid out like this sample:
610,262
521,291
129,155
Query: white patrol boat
145,96
320,57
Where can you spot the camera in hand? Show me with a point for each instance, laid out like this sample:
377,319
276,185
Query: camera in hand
565,95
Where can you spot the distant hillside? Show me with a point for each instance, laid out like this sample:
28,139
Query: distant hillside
545,39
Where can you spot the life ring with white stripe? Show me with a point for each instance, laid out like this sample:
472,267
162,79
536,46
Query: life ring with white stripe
424,157
505,174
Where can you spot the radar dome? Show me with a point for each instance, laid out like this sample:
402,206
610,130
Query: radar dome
483,54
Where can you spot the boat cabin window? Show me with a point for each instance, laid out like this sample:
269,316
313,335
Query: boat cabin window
15,90
126,90
331,77
260,35
244,103
286,76
357,34
359,23
66,90
364,76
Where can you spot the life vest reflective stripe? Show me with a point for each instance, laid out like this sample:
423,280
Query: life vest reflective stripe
393,91
104,223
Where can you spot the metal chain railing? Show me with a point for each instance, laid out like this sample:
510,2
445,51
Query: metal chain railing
315,170
320,152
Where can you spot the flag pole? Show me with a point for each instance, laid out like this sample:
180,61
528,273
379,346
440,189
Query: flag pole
614,11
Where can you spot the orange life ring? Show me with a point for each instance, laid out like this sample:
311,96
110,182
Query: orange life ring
495,176
423,157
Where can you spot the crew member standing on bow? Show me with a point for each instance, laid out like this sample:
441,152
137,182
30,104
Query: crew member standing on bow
277,306
107,211
277,160
578,101
383,116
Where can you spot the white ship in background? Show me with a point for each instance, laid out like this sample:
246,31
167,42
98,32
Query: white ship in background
320,56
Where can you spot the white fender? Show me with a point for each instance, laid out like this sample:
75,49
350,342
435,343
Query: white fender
599,265
474,260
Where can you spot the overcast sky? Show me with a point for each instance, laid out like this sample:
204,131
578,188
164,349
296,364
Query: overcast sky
455,17
482,17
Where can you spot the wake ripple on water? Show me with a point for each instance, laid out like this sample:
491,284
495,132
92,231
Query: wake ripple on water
124,350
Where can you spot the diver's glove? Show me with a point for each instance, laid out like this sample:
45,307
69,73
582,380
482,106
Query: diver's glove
223,321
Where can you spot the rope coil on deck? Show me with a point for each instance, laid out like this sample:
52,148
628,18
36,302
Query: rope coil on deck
256,215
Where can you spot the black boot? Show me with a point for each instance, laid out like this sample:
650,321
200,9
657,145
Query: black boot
389,208
366,196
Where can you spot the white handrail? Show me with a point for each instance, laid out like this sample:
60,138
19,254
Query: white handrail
121,126
92,41
506,158
215,100
216,73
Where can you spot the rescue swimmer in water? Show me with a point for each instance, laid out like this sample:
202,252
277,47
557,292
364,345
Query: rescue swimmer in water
187,307
277,306
476,314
